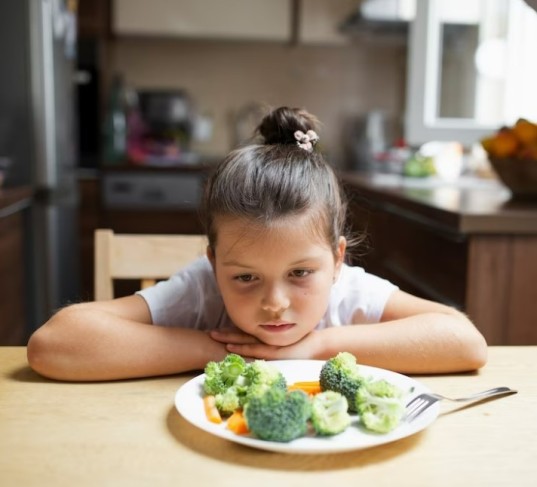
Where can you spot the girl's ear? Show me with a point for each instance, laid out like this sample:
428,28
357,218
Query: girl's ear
340,256
210,256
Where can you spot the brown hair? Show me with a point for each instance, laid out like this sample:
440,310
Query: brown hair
276,179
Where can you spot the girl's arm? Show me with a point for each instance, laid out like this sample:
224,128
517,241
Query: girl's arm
115,340
415,336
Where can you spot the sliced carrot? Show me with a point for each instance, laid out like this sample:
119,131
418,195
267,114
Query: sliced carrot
237,423
212,413
309,387
306,383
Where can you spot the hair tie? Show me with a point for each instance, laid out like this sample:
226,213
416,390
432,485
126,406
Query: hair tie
306,140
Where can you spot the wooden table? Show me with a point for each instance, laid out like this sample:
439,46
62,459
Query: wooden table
129,433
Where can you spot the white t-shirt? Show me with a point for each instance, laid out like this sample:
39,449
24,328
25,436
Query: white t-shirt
191,299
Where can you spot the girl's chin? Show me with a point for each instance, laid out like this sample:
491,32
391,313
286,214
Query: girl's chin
279,340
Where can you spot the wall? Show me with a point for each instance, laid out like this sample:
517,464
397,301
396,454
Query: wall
336,83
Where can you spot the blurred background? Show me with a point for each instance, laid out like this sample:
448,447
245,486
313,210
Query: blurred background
113,111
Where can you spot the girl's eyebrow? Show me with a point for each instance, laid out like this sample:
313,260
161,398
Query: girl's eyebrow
306,260
301,261
235,263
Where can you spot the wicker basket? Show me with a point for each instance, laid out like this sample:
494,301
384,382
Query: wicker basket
519,175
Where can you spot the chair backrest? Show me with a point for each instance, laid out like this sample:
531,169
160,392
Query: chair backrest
144,257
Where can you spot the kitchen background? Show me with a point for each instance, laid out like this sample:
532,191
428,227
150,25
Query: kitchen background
288,57
164,88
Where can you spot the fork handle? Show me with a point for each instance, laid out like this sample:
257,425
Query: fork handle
496,391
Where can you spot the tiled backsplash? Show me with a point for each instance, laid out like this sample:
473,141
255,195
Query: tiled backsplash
333,82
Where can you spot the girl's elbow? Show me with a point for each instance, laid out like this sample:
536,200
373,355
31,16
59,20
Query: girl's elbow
477,352
43,350
38,352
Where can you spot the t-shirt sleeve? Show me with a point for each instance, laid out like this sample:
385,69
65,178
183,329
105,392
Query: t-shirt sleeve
188,299
357,291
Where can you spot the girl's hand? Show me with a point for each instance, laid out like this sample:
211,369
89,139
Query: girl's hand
249,346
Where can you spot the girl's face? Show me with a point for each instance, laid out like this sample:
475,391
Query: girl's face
275,282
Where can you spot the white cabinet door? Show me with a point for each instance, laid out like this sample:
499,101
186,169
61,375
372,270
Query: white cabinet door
209,19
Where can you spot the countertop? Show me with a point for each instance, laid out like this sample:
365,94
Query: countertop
129,433
469,205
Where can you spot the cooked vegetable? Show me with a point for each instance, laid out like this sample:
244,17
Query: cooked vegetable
278,415
237,423
380,405
255,398
211,411
233,382
219,376
341,374
259,377
230,400
329,414
309,387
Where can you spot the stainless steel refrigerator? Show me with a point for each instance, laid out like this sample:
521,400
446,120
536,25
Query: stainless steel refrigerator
38,137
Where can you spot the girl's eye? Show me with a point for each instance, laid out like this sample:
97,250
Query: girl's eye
244,278
300,273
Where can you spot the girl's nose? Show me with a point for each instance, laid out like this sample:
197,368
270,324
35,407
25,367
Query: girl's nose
275,300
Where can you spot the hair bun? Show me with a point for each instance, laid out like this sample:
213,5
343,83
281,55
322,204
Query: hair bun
279,125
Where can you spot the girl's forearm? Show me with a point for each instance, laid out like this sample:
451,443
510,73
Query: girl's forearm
80,346
427,343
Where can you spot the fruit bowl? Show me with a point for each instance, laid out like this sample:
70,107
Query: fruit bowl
519,175
512,152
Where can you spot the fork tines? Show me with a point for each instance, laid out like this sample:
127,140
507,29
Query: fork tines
418,405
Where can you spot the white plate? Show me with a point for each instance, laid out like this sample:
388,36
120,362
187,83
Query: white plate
189,403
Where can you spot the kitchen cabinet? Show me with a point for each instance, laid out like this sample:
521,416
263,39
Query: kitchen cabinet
13,203
92,18
470,247
204,19
319,21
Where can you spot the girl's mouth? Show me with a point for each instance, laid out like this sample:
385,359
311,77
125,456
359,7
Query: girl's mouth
277,327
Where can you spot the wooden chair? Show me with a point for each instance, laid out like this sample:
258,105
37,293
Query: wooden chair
144,257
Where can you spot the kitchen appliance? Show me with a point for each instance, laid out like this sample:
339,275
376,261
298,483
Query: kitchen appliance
160,125
368,138
389,17
37,103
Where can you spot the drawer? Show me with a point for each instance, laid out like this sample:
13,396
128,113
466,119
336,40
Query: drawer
152,190
419,258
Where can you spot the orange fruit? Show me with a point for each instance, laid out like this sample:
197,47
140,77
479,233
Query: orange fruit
525,131
528,151
503,144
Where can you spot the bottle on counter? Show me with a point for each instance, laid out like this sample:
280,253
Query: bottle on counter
115,126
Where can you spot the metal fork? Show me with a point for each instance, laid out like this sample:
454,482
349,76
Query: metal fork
422,402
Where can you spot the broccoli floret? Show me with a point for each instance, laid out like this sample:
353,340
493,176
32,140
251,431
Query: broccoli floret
228,401
278,415
234,382
261,372
219,376
261,376
341,374
380,405
329,414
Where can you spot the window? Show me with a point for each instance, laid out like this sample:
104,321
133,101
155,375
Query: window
471,68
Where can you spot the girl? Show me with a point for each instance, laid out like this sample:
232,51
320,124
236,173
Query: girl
274,285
